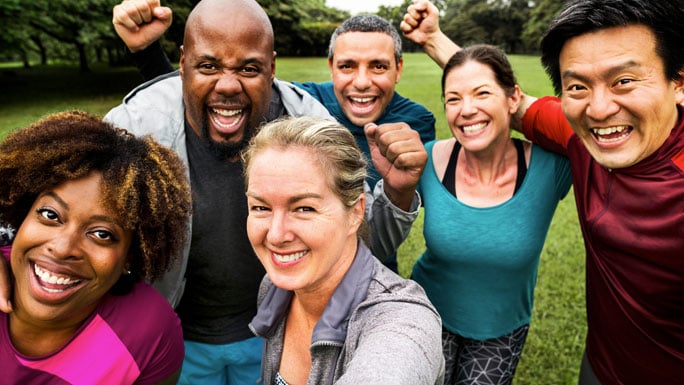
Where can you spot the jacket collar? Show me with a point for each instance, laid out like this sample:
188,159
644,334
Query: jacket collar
332,326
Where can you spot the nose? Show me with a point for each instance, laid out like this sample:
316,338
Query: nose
601,105
279,231
362,79
228,83
468,107
66,245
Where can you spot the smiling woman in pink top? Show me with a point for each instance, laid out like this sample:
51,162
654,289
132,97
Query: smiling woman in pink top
96,211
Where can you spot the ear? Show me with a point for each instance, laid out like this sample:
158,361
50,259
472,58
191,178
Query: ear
400,67
514,100
357,214
330,66
679,88
273,65
182,60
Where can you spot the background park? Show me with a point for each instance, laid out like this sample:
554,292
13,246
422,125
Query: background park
63,54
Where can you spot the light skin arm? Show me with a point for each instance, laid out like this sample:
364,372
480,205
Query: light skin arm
421,26
400,157
139,23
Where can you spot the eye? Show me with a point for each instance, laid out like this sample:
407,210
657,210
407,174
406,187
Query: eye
258,209
48,214
103,235
624,81
305,209
452,100
380,67
575,87
250,71
207,68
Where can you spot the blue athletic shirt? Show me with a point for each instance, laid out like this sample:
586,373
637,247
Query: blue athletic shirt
480,265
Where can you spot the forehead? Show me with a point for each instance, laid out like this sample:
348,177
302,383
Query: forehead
609,48
363,46
470,74
219,41
292,164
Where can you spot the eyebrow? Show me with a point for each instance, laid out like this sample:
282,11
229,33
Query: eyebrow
103,218
291,200
56,197
241,63
610,72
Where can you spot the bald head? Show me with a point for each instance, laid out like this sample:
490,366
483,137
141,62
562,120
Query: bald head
230,16
227,67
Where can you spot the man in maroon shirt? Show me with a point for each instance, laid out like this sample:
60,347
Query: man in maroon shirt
618,66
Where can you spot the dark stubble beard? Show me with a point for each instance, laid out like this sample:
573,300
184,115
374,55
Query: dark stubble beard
226,150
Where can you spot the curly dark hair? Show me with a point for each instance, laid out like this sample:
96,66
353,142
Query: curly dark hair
144,181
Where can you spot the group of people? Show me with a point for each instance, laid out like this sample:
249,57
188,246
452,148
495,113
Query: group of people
248,203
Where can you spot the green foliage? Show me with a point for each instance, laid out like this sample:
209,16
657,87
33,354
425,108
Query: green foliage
540,16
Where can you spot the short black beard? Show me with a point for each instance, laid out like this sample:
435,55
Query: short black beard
226,150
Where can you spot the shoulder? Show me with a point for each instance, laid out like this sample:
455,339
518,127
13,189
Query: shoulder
298,102
154,107
388,290
167,85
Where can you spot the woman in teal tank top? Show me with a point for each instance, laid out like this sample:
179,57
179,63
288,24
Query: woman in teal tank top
489,200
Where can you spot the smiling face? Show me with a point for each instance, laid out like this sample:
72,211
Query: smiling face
300,230
68,252
364,72
227,74
616,96
477,108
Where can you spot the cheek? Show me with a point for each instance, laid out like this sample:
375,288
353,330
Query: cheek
256,231
451,113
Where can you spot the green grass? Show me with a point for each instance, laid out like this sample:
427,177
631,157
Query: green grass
556,338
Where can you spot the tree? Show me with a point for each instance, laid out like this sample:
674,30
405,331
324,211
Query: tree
497,22
541,15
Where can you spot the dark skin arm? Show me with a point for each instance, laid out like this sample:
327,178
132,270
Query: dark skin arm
5,287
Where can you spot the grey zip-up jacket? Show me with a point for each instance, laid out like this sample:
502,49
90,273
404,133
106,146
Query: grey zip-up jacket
377,328
156,108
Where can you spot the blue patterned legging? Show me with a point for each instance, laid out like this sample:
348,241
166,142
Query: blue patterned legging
488,362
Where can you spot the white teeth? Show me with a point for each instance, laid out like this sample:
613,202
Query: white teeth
362,100
474,127
226,113
602,132
223,112
608,130
50,278
284,258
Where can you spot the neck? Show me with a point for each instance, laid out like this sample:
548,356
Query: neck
489,165
38,339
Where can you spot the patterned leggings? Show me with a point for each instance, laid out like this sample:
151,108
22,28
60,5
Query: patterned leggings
488,362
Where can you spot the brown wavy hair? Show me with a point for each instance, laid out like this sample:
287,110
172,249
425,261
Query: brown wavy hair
144,181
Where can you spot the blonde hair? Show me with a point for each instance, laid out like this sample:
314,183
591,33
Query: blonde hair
332,144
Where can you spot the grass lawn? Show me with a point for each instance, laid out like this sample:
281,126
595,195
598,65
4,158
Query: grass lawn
556,338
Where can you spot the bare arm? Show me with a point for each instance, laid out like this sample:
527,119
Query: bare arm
5,286
421,25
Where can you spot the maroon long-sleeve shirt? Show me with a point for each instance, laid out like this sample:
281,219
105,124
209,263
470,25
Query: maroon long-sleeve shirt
632,220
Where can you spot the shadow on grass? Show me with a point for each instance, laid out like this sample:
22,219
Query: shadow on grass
28,94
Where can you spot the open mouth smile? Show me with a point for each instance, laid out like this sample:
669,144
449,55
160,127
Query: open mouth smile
611,134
